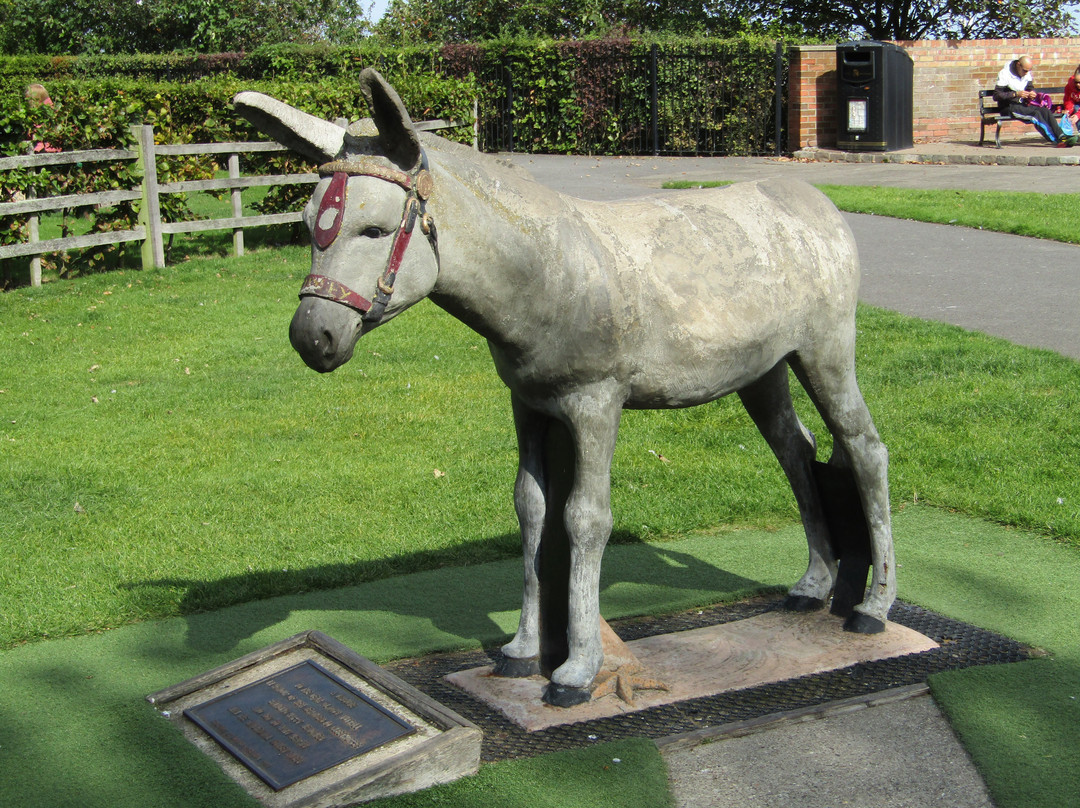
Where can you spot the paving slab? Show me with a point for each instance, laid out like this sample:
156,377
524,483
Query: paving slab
901,754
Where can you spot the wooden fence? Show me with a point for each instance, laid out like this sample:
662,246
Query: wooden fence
151,230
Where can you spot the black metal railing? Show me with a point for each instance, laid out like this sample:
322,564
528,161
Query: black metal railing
723,99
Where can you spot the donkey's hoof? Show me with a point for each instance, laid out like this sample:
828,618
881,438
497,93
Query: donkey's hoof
864,624
803,603
516,668
566,696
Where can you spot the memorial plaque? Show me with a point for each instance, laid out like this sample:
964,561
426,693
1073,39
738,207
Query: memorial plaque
297,723
309,723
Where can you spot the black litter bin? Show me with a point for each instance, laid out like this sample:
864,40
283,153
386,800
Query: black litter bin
875,96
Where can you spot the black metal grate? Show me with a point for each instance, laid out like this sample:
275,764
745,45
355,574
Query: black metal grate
962,646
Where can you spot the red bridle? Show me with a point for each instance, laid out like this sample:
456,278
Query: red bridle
418,186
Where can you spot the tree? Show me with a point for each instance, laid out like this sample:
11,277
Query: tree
923,19
157,26
476,20
479,20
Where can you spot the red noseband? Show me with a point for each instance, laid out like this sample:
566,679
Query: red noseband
322,286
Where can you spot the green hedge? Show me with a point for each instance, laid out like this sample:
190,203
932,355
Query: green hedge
98,114
588,96
581,96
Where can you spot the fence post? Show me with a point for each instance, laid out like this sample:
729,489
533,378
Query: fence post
653,82
153,246
476,123
237,205
34,235
778,95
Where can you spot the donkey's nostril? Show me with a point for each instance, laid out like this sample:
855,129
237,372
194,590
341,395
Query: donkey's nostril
328,340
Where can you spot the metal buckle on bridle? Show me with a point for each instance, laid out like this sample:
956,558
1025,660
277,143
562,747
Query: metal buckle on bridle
418,186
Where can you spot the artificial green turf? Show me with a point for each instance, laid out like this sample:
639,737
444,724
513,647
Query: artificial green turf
618,774
1021,723
74,729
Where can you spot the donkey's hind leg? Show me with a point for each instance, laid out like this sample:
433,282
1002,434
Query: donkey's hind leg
768,401
831,384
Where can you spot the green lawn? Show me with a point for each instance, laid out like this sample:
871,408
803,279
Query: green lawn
165,450
1041,215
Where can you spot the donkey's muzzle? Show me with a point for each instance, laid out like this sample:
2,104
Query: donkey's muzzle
323,333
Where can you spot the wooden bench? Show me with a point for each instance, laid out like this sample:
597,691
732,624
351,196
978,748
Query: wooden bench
990,112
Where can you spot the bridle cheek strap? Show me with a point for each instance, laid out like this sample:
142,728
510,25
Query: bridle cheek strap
328,223
385,286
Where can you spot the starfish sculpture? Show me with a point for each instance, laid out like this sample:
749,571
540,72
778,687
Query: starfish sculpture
623,681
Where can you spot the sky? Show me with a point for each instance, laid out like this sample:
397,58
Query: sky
378,8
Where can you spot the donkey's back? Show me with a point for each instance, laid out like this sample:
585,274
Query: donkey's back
687,297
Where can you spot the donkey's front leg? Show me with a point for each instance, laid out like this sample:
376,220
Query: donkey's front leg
521,656
594,424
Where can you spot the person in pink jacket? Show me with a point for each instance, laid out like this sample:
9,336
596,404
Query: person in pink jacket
1072,97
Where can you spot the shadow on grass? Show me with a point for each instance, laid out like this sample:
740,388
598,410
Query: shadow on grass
219,243
89,740
447,604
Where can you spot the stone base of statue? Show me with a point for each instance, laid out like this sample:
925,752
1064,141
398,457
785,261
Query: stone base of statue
770,647
308,722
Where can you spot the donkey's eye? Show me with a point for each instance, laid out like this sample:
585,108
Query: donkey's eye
372,232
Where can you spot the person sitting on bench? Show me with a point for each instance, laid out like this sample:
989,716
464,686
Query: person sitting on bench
1072,98
1014,92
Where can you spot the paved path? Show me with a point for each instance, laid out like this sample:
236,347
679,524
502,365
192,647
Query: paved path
902,754
1025,290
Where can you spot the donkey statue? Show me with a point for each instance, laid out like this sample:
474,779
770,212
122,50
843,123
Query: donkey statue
669,301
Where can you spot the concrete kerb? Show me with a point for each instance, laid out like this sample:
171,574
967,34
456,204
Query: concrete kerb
737,729
921,158
1012,153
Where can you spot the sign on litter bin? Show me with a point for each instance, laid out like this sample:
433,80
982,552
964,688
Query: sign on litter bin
874,83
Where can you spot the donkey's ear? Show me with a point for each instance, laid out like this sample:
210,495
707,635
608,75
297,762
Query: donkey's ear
314,138
397,136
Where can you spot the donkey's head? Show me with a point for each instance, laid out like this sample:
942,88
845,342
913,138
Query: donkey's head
366,267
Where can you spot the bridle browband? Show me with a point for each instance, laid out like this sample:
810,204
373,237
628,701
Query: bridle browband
418,186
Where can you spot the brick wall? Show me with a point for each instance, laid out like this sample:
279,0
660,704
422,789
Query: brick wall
947,77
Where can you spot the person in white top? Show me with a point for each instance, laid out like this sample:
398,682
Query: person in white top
1014,92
